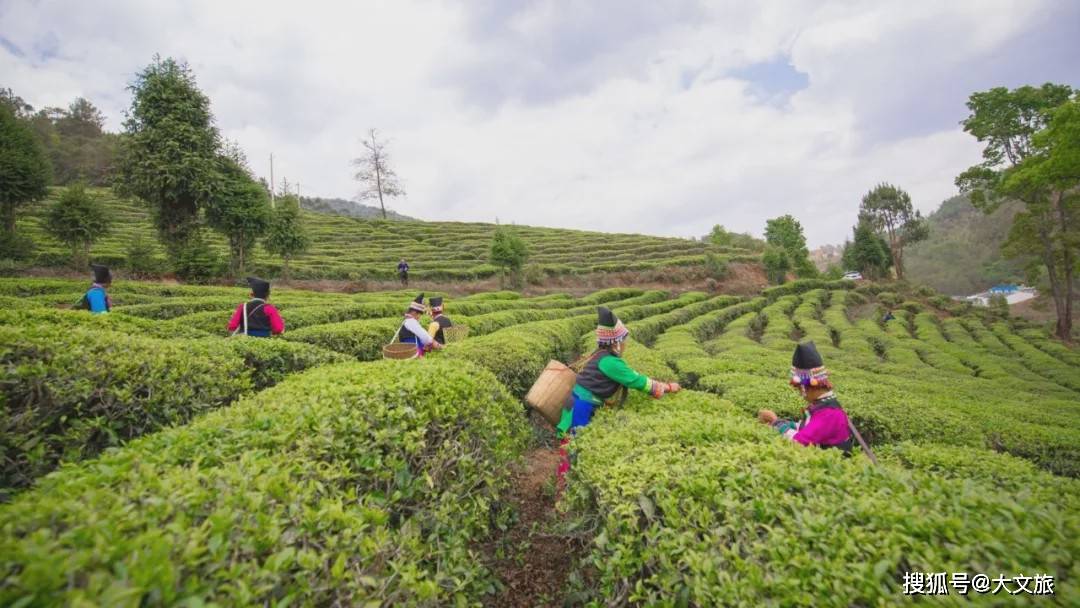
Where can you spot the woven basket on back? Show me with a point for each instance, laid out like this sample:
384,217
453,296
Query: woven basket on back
455,333
399,350
551,390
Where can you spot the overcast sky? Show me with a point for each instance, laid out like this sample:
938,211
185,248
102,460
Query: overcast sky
654,117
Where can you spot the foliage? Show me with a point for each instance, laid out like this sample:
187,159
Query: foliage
725,238
195,261
785,232
349,485
1030,155
140,258
716,267
868,253
508,251
887,209
962,254
999,305
24,169
344,248
671,510
286,236
75,143
777,264
170,154
400,463
78,219
240,210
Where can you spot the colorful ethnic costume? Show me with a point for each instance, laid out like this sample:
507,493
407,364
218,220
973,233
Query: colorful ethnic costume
825,423
258,317
604,375
411,332
439,320
96,299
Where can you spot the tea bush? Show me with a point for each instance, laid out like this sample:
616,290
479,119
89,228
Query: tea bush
348,485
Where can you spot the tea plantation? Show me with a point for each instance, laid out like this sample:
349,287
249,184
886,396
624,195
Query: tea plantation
148,460
356,249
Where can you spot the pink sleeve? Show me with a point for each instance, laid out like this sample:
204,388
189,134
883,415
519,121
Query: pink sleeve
815,431
826,427
236,318
277,324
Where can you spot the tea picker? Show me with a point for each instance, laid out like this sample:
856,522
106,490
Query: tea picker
569,401
439,321
411,333
257,317
96,299
825,423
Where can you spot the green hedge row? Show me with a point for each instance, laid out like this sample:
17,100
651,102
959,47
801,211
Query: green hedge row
350,485
69,392
698,505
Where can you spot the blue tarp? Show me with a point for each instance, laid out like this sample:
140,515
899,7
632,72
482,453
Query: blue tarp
1004,288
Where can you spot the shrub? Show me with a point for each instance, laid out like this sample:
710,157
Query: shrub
197,262
703,511
141,259
70,392
348,485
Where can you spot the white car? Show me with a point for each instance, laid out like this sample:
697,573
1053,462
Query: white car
852,276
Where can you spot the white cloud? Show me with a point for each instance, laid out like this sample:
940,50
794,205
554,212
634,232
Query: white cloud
591,115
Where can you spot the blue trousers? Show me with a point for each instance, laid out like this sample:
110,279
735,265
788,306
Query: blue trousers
583,412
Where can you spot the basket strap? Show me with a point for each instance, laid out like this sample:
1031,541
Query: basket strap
396,334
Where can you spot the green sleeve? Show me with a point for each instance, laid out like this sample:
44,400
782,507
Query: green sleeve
617,369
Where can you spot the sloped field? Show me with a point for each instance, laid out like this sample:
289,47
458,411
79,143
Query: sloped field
190,468
352,248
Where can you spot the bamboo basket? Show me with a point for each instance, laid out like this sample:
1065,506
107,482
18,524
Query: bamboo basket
399,350
551,390
455,333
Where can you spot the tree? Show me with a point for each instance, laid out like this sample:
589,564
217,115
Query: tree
376,178
170,155
786,233
887,209
868,253
240,210
24,169
286,236
1030,155
77,219
508,252
725,238
13,102
777,263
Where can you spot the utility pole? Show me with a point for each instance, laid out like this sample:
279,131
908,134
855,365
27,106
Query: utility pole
272,180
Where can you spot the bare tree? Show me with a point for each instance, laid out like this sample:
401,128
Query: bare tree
376,178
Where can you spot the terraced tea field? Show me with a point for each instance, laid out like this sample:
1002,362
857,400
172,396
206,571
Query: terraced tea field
148,460
355,249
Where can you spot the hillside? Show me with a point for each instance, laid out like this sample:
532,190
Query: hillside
962,256
358,249
340,206
300,470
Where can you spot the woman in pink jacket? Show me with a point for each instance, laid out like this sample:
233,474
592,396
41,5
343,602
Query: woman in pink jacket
825,423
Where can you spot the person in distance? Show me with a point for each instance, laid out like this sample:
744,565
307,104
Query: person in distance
825,423
257,317
96,299
403,272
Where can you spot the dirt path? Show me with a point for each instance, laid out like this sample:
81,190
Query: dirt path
532,559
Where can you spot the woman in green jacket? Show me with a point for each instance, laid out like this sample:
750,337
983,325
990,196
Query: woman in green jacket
604,375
